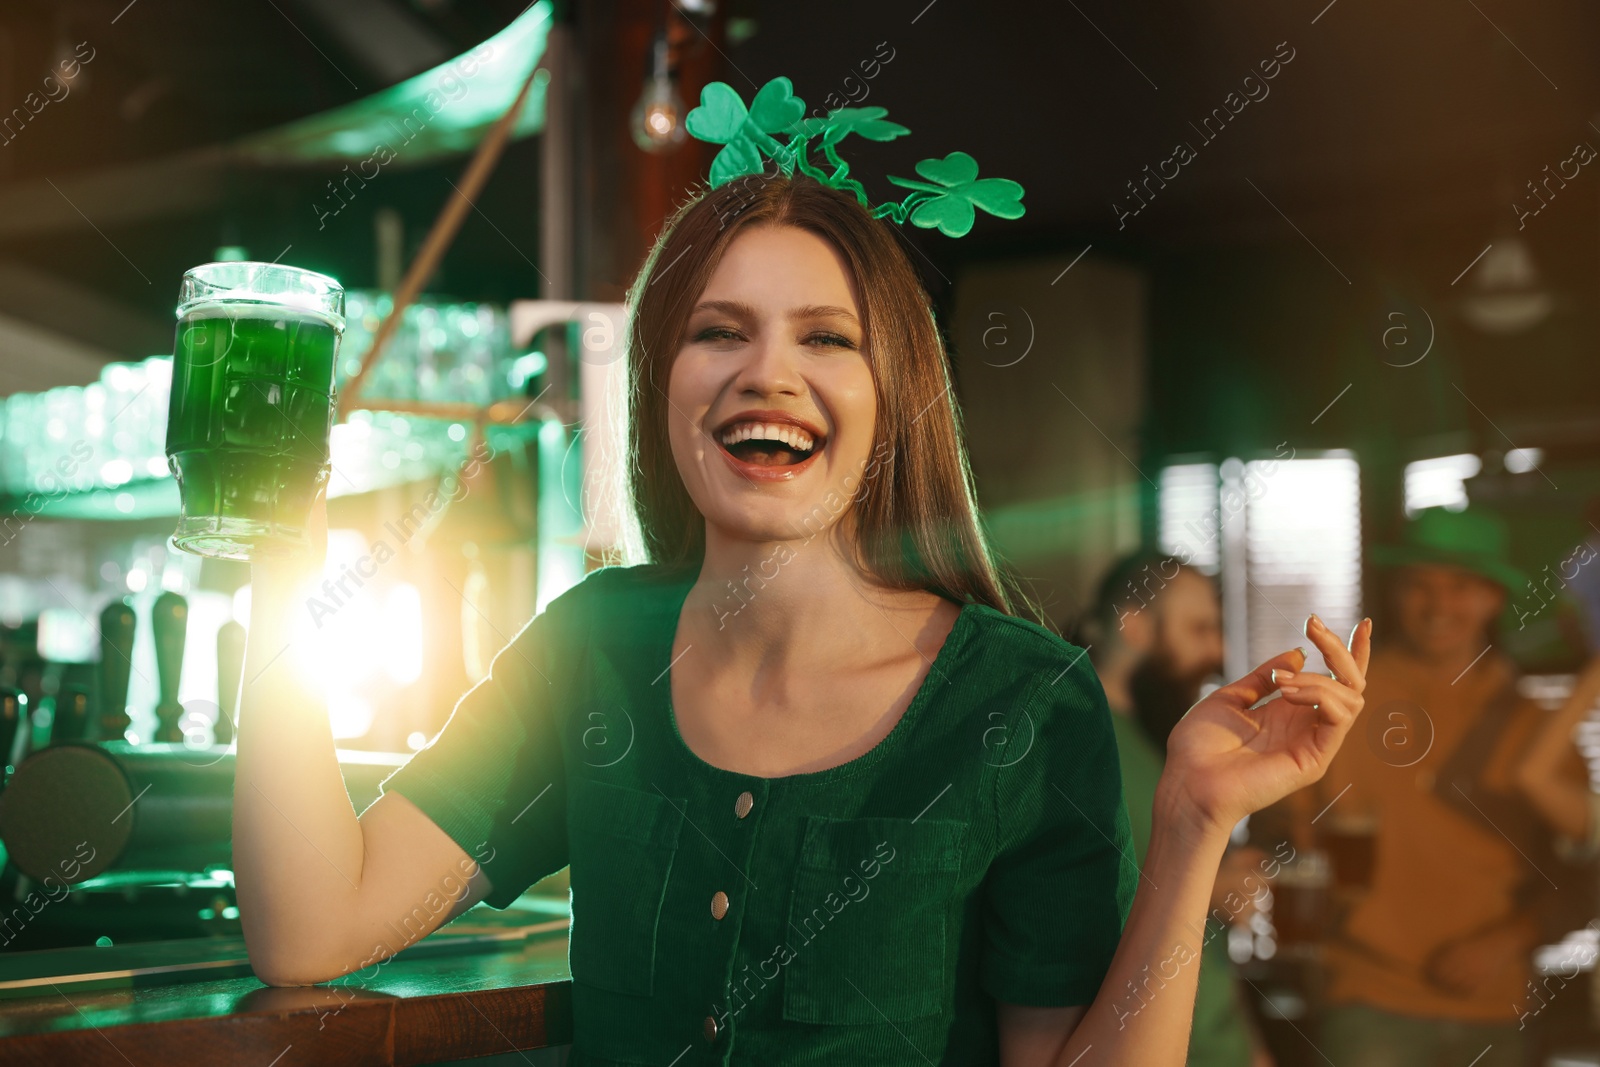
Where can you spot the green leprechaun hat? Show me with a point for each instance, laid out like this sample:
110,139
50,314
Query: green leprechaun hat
1475,541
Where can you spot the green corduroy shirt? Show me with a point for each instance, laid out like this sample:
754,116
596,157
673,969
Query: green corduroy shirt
870,913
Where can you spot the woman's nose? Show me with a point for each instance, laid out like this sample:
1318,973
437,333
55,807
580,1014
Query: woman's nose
769,367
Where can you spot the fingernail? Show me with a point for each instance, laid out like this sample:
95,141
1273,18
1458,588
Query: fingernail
1304,655
1275,673
1317,622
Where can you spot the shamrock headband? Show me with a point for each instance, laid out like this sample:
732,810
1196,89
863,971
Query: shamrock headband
946,199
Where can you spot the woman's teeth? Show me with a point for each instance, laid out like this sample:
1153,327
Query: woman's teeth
768,444
793,436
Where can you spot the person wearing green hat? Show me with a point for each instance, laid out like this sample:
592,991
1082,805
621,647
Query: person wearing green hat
1430,957
1475,542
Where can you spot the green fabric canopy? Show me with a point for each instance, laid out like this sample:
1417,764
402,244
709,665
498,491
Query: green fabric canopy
440,112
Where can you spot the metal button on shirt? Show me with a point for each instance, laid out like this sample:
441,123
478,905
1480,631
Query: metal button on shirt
885,904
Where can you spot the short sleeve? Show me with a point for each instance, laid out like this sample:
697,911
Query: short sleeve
494,778
1060,888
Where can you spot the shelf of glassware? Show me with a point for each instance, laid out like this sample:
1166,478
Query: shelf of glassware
97,452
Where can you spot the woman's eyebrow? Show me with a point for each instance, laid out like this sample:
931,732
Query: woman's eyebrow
742,310
736,308
822,311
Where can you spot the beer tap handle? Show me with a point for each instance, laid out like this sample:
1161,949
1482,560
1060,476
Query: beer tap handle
169,620
230,668
116,663
13,717
71,722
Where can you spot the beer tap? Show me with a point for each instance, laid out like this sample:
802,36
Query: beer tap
13,717
116,663
74,703
71,722
169,619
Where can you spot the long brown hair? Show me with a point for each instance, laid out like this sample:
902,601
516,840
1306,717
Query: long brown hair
916,517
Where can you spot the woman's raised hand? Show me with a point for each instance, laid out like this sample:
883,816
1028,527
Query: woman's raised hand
1227,758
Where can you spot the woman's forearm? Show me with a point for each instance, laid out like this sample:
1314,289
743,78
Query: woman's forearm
1146,1003
297,845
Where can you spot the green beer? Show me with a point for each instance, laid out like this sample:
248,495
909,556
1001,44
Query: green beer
252,405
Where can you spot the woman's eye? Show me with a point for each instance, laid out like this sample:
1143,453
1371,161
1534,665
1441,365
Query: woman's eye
716,333
830,339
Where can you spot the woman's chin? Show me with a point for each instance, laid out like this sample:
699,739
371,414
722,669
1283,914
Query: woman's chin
784,503
770,521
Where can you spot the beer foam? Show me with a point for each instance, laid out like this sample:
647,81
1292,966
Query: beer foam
241,308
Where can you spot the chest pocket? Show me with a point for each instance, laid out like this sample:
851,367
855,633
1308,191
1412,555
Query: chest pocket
622,844
870,920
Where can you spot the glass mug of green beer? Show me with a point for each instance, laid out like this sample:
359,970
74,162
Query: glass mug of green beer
252,405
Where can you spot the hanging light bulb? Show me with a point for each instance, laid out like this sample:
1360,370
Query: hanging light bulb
657,119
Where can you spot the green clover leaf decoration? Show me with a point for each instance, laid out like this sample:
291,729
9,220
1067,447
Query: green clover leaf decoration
955,192
868,122
746,135
947,199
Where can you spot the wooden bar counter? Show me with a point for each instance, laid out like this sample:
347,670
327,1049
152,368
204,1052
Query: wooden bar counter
489,983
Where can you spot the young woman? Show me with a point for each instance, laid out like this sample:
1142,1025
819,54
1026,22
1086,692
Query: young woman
825,798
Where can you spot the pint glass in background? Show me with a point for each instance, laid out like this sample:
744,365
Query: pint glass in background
252,405
1351,844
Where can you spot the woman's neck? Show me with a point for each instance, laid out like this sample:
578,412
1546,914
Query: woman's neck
794,600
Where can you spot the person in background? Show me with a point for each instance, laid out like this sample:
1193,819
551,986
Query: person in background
1583,581
1433,956
1554,777
1154,637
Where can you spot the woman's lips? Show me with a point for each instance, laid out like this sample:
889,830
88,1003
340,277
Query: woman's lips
756,442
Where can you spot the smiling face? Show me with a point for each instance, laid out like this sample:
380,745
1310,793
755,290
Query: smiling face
1445,612
772,401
